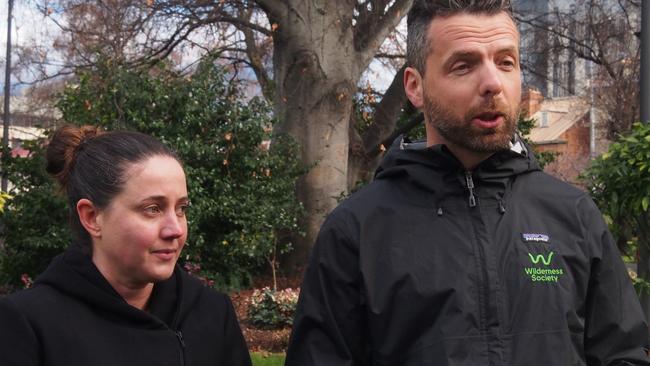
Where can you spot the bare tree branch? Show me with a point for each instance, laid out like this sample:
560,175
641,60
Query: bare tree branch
273,8
369,40
389,56
255,56
385,115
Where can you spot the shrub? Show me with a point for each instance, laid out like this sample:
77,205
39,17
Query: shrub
272,309
35,219
619,182
242,192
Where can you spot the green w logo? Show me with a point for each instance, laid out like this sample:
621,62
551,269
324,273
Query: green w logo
540,257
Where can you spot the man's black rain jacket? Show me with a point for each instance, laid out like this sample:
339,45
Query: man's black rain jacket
433,265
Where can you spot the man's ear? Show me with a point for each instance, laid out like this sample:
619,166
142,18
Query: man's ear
89,217
413,87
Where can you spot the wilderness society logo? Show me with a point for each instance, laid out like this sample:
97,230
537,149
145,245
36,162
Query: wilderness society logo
543,272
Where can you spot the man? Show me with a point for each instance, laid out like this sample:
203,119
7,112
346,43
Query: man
462,251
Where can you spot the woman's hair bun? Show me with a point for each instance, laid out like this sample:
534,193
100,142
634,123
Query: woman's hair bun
63,148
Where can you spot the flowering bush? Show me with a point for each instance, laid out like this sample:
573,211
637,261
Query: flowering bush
271,309
640,285
194,269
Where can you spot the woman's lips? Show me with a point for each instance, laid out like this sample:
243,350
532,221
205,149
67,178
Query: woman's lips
165,254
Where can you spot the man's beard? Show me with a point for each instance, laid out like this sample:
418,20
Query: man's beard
463,133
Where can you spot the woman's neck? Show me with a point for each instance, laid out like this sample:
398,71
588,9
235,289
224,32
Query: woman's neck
137,297
135,293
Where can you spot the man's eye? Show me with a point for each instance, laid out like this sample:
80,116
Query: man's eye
461,68
508,63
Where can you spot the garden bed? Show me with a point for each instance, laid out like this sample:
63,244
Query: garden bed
263,340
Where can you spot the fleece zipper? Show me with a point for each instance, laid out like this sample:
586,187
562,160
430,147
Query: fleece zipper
181,342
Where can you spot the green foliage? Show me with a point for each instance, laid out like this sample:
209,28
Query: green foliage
619,182
3,200
267,359
242,192
35,219
525,126
271,309
641,286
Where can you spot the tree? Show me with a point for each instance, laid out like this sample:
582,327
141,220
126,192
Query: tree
592,45
241,190
307,56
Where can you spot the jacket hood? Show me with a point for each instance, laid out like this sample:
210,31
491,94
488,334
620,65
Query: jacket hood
418,162
436,170
74,274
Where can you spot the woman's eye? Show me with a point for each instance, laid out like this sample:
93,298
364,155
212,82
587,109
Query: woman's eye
182,209
152,210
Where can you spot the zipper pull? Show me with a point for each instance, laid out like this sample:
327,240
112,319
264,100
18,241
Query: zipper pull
502,207
179,335
470,187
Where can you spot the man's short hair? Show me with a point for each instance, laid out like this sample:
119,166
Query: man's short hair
424,11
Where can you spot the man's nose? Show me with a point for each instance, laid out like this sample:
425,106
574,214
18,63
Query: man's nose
491,83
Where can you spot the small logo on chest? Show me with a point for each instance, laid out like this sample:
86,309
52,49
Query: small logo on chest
539,238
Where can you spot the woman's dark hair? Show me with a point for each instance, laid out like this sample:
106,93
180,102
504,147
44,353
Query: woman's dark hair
90,163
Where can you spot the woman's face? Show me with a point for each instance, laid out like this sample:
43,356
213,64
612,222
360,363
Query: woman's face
143,229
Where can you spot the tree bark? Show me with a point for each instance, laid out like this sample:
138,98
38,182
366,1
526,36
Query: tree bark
318,58
315,75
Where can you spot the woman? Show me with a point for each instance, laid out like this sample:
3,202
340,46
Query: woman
117,297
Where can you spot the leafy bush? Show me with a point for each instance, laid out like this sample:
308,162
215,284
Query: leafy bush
640,285
525,126
271,309
619,182
242,190
3,200
35,219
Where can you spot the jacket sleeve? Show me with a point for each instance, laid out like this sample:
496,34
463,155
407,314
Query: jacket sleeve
18,343
236,351
329,326
616,332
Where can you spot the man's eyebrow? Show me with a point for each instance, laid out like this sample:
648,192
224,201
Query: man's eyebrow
509,49
460,54
471,54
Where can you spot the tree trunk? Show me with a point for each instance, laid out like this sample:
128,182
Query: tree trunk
316,73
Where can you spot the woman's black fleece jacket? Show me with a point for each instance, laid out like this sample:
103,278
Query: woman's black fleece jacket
72,316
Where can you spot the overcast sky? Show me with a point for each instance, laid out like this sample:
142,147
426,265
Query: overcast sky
29,26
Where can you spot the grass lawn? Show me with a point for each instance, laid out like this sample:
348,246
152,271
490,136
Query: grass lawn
267,359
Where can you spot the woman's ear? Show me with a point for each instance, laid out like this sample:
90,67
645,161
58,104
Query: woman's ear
89,217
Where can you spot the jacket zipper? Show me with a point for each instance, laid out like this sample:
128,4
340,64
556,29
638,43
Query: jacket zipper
179,336
470,187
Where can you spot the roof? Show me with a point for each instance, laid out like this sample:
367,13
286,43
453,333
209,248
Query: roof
562,114
24,133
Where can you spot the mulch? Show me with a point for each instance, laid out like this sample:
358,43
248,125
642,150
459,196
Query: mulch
263,340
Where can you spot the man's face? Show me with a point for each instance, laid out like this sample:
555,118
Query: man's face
471,90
